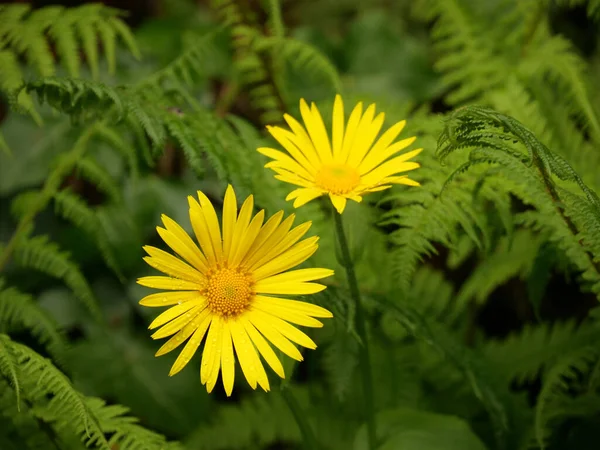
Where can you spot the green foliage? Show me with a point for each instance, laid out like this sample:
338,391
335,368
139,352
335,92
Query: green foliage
477,286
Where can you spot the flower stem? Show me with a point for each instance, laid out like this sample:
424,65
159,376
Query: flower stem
361,329
310,441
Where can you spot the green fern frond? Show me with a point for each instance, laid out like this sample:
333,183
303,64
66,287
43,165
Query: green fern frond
522,355
11,78
41,254
74,209
124,431
340,360
42,383
305,58
18,309
592,6
9,365
556,385
90,170
257,421
513,257
25,32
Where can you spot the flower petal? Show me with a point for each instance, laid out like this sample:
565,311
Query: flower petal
241,226
201,320
289,315
181,243
248,238
172,284
263,347
176,311
391,167
249,361
372,158
172,266
301,139
227,360
210,215
211,355
258,252
286,139
273,335
338,201
284,161
283,243
229,219
337,132
263,235
351,129
169,298
201,230
295,255
289,331
308,309
177,324
190,348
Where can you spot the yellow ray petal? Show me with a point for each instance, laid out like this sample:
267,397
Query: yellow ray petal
392,167
250,363
297,254
338,201
248,238
210,215
273,335
227,360
201,231
190,348
172,284
337,132
229,218
177,324
211,355
181,243
301,139
203,319
373,160
241,225
263,235
367,131
351,128
289,315
294,305
263,347
172,266
291,288
176,311
282,245
289,331
286,138
284,161
402,180
381,145
271,242
169,298
292,179
295,276
304,196
316,130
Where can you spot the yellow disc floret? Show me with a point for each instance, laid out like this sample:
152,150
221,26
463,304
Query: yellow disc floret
228,292
337,178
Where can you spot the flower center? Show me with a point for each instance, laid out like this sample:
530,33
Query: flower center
228,292
337,178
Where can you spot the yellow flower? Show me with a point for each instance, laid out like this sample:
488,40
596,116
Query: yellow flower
353,164
227,290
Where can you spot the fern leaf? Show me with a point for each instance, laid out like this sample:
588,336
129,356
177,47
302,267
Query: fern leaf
340,361
40,254
20,310
304,57
73,209
522,355
62,32
48,384
9,365
89,169
555,388
125,433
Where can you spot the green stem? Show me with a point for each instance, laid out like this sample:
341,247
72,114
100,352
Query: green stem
361,329
310,441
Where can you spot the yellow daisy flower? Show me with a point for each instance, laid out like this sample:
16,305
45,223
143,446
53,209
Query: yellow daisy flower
227,290
352,164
